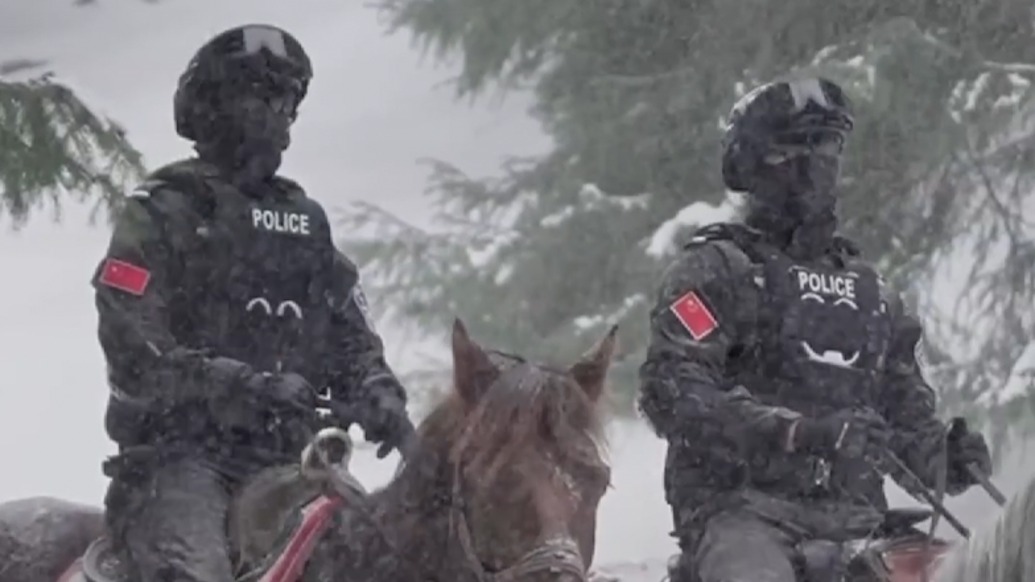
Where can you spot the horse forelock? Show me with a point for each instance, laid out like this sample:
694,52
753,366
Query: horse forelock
530,412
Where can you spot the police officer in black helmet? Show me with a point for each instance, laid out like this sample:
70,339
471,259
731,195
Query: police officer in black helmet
223,309
781,369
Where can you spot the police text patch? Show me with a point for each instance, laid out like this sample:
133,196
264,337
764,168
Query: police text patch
842,286
281,221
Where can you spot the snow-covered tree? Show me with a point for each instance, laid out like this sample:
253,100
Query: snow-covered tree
634,93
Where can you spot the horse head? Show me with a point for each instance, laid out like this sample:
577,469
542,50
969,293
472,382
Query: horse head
514,456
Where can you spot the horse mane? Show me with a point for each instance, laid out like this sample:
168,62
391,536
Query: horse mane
1000,553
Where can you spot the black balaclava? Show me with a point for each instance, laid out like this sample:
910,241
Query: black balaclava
239,97
793,200
249,136
782,147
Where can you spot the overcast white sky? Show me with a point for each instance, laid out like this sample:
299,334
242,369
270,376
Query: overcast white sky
373,110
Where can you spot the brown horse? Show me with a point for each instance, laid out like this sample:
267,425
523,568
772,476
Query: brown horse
502,484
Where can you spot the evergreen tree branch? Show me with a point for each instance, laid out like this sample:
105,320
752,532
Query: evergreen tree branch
53,145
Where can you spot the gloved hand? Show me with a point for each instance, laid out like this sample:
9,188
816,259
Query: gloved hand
965,448
228,402
246,398
384,421
859,433
288,392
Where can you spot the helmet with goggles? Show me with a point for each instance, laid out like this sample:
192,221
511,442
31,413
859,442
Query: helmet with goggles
256,60
782,120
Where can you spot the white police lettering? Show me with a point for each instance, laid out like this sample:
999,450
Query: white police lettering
826,284
281,221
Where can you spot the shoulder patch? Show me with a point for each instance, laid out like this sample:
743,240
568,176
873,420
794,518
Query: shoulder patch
695,316
124,276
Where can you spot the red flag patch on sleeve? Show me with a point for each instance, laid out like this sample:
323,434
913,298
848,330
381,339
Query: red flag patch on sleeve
125,276
694,315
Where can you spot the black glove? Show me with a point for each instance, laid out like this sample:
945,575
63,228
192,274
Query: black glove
229,403
860,433
965,448
247,398
384,421
284,393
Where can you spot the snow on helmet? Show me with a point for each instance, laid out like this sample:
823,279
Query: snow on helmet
243,59
783,119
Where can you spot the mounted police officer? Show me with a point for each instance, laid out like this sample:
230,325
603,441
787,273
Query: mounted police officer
781,369
223,308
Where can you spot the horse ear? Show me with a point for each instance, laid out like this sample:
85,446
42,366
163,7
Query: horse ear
591,370
472,369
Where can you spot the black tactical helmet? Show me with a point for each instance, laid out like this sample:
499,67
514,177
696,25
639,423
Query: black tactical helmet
249,59
780,120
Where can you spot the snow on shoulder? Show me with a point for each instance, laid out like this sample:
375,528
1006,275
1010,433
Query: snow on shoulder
664,240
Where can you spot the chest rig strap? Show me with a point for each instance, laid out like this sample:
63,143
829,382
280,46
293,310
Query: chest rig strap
752,358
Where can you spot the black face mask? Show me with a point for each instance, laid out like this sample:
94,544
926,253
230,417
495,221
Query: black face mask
797,176
795,201
251,134
810,182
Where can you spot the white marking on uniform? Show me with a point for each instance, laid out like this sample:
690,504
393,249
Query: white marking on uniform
260,302
291,306
827,284
281,221
830,357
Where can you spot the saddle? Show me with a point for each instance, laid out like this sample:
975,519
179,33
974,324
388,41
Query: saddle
274,521
896,552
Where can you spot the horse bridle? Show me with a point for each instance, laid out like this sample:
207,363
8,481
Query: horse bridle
559,556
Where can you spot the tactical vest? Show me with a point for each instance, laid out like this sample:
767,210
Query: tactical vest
254,271
820,344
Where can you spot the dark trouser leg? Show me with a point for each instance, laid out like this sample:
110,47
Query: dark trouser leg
172,525
737,546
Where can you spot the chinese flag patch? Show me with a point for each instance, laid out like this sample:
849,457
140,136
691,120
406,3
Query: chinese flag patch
125,276
695,317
